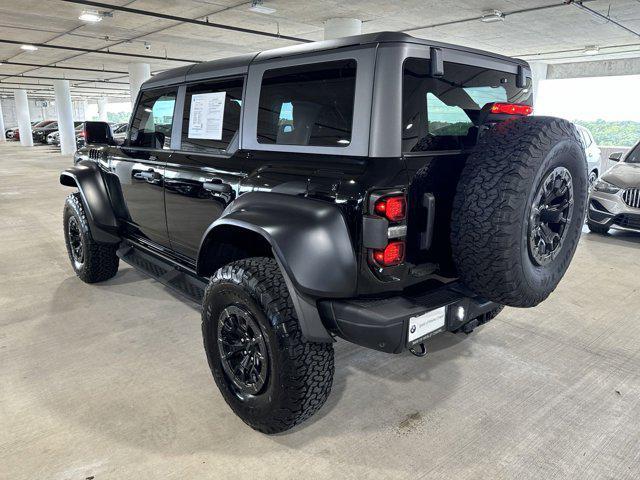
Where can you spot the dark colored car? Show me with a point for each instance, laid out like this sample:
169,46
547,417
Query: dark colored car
380,188
40,131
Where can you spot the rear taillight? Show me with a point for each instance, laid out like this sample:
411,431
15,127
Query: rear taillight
393,208
391,255
390,211
512,108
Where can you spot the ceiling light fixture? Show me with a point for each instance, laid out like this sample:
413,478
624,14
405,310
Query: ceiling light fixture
91,16
30,48
258,7
591,50
491,16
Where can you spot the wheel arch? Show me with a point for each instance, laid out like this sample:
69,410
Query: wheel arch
86,177
308,238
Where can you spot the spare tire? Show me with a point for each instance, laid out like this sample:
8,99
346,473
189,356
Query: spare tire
519,210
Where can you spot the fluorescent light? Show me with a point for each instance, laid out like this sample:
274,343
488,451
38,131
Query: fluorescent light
258,7
90,16
30,48
491,16
591,50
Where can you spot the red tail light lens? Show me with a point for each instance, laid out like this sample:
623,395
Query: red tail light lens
393,254
393,208
512,108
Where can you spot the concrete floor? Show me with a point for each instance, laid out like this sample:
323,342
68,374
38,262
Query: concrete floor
111,381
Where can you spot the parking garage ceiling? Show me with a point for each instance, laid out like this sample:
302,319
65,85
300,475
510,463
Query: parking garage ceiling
94,56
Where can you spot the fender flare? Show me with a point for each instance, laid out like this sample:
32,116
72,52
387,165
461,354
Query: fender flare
311,243
87,178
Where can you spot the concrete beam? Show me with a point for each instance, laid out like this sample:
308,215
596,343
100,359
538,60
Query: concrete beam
598,68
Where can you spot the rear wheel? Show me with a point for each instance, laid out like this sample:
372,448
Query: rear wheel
519,209
92,261
268,373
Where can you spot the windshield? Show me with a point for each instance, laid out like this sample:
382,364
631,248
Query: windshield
44,123
634,155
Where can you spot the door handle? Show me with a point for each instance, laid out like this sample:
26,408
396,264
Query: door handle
150,174
217,185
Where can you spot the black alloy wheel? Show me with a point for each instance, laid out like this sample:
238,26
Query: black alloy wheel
243,351
550,215
75,241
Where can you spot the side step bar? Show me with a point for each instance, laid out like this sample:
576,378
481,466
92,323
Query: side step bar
165,271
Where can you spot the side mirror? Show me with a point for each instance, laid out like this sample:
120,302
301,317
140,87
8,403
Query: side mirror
615,156
98,133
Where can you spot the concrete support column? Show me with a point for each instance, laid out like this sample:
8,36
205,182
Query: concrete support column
538,72
138,74
3,138
65,117
102,109
24,118
85,110
342,27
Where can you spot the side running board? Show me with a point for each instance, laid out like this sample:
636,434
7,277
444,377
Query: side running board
164,271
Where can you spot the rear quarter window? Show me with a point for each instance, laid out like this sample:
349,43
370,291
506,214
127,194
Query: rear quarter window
310,105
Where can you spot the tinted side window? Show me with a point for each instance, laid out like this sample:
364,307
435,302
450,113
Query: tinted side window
153,119
211,115
308,104
443,113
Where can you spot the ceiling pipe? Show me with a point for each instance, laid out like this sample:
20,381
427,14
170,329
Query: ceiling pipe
192,21
82,69
3,84
505,14
579,4
20,75
93,50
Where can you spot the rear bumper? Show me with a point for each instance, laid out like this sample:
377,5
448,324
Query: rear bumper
382,324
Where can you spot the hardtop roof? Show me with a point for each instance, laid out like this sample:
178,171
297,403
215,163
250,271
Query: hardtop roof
239,65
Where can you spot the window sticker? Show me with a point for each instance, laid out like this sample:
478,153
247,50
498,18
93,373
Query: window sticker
206,115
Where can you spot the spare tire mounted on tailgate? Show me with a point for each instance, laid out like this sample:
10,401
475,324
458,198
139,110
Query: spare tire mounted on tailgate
519,210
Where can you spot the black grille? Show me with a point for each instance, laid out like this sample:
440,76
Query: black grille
628,221
631,197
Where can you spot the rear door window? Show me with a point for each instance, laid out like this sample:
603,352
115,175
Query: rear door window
444,113
308,105
211,119
153,120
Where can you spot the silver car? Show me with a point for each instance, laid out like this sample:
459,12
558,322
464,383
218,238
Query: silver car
615,198
592,152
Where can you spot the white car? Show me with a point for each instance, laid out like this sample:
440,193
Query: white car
53,138
592,153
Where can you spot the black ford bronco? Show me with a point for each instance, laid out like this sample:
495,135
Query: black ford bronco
378,188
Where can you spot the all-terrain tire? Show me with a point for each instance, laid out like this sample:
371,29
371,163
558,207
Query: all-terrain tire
595,228
300,373
99,261
492,209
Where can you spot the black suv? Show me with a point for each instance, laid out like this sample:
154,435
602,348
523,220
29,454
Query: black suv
378,188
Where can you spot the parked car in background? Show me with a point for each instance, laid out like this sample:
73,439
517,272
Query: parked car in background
614,202
40,133
43,123
592,152
9,132
53,138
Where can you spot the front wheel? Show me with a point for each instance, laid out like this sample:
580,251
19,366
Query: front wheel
92,261
267,372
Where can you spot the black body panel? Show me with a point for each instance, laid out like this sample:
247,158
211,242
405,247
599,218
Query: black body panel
88,178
